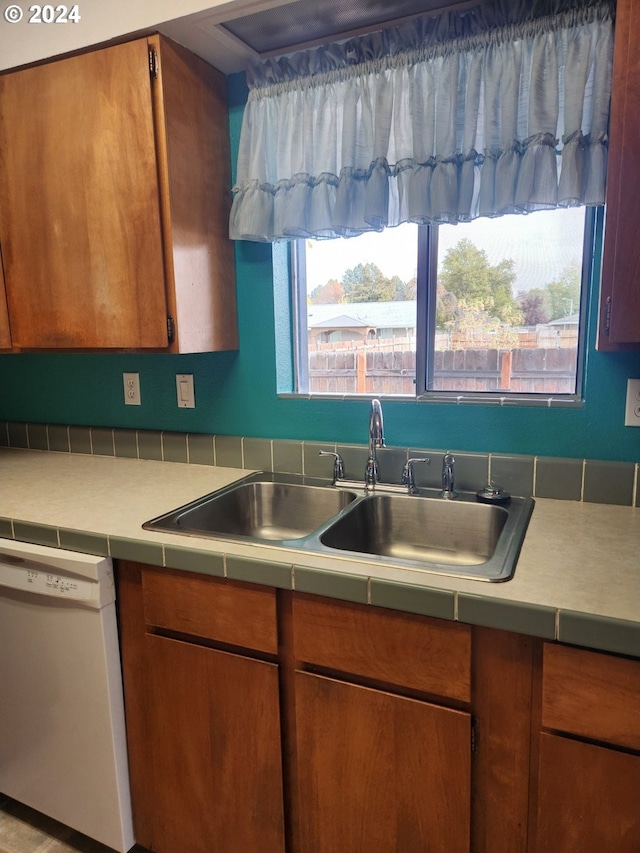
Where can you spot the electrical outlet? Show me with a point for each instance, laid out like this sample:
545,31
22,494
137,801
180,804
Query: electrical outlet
632,411
131,383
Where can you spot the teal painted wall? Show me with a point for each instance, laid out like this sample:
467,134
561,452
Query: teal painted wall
236,393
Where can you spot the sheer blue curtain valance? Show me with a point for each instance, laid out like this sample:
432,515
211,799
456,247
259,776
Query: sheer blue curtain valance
442,120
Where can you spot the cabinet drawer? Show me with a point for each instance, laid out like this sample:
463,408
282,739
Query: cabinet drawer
430,655
591,694
225,611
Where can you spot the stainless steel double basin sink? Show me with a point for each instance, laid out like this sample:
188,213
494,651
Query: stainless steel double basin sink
422,532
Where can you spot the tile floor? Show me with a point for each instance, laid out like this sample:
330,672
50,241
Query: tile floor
23,830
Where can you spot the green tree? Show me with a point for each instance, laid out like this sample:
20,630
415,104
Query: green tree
366,283
501,280
467,274
559,298
363,283
563,295
446,308
410,290
476,323
399,288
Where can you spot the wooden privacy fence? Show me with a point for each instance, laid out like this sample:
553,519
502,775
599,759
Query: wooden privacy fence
366,371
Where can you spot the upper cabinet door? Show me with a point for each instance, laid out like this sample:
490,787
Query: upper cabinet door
81,230
195,164
620,294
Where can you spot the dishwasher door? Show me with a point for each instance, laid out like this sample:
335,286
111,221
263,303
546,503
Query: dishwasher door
62,732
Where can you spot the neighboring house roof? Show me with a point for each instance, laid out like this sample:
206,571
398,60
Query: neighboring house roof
343,321
377,315
572,320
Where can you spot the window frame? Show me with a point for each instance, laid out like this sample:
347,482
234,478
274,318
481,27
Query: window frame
426,294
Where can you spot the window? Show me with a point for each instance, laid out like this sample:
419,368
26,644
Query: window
493,307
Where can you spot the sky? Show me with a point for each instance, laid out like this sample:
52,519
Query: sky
542,244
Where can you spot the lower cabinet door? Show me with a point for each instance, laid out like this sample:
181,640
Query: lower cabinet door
214,726
588,798
377,772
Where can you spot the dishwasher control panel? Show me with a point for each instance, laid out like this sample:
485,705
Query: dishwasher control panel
37,580
41,570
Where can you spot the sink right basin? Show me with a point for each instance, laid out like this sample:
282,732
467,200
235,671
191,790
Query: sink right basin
453,537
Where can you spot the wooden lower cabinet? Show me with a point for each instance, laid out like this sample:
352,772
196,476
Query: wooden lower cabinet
203,722
588,798
587,749
379,772
380,711
264,721
216,763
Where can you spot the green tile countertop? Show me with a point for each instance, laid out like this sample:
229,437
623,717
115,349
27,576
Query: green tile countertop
577,579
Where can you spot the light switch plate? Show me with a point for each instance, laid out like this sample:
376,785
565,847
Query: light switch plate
184,391
131,382
632,411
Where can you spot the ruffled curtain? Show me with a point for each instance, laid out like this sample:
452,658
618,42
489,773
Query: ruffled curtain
441,120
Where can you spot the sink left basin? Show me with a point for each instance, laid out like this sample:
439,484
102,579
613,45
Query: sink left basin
271,507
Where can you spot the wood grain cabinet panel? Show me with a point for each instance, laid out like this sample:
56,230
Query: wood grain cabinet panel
201,606
588,798
203,723
592,695
587,794
620,289
215,726
113,189
379,772
501,760
430,655
349,728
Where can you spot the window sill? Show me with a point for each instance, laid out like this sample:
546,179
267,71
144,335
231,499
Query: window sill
455,398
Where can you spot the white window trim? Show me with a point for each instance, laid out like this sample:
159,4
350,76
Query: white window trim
425,332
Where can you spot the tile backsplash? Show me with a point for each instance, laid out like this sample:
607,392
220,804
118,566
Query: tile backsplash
588,480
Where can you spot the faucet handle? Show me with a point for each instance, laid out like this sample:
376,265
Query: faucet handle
408,475
338,464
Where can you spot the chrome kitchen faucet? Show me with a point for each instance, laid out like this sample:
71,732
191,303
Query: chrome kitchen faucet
376,439
448,477
371,472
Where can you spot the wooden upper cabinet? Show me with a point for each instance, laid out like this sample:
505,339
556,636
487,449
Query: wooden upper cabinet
620,291
114,191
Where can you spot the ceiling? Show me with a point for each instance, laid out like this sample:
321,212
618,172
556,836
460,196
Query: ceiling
232,34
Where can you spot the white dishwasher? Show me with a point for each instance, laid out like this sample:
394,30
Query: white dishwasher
62,733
